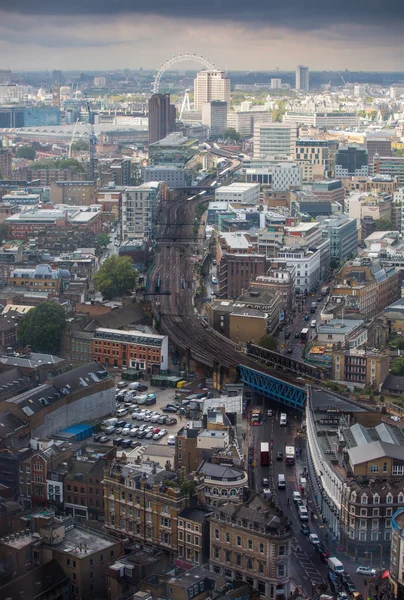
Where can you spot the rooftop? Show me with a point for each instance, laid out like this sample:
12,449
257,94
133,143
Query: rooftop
81,543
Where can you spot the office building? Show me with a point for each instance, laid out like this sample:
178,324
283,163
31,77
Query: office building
38,117
358,365
161,117
172,176
120,172
389,165
76,193
236,270
251,542
139,206
396,91
286,176
330,190
42,278
378,144
243,121
175,149
360,91
343,235
11,117
302,78
376,205
211,85
100,81
242,193
366,287
276,84
322,120
351,161
274,139
311,265
214,116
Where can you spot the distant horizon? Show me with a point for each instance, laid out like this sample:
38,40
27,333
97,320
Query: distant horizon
268,71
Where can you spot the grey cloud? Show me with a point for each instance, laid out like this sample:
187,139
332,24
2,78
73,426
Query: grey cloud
306,15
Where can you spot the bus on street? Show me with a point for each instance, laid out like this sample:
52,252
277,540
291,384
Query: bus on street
304,335
264,454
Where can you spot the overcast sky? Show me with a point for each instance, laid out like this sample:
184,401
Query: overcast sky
237,34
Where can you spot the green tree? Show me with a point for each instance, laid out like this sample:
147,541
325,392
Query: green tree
26,152
268,342
384,225
231,134
80,145
4,232
42,327
103,240
116,276
397,366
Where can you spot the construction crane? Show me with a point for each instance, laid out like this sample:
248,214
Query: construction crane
69,154
92,141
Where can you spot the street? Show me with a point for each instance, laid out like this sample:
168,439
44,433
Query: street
307,570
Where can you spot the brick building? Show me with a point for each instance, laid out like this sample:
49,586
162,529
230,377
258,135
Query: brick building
236,271
144,503
357,365
133,348
76,193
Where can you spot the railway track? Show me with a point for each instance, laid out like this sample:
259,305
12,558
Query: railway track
175,263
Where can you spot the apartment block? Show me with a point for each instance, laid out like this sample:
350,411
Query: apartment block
286,176
357,365
139,207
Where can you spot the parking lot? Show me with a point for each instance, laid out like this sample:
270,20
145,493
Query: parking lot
128,427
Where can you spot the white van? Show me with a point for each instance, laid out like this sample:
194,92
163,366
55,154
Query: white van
109,423
313,324
109,430
281,481
283,420
303,513
335,565
121,412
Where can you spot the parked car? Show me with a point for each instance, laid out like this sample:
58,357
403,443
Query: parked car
117,441
170,408
121,384
296,496
141,434
314,539
163,432
133,431
126,443
324,556
163,419
103,439
319,548
171,440
126,431
120,423
305,529
366,571
265,482
279,455
155,418
170,421
395,418
135,444
149,435
97,437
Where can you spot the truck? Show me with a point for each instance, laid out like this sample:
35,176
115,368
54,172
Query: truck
325,290
256,415
289,455
313,307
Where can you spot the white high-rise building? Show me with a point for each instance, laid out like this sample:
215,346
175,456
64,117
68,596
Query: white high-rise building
214,115
302,78
211,85
285,176
276,84
139,206
274,139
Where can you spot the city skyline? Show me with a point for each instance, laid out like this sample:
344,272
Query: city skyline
259,36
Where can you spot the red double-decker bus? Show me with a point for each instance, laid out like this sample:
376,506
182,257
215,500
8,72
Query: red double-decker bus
264,454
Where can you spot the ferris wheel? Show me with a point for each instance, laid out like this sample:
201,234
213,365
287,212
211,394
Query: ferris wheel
177,59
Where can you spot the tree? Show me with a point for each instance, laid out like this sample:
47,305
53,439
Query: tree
103,239
42,327
397,366
26,152
384,225
80,145
4,231
268,342
116,276
231,134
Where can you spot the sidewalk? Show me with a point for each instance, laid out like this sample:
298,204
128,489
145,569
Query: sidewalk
316,519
